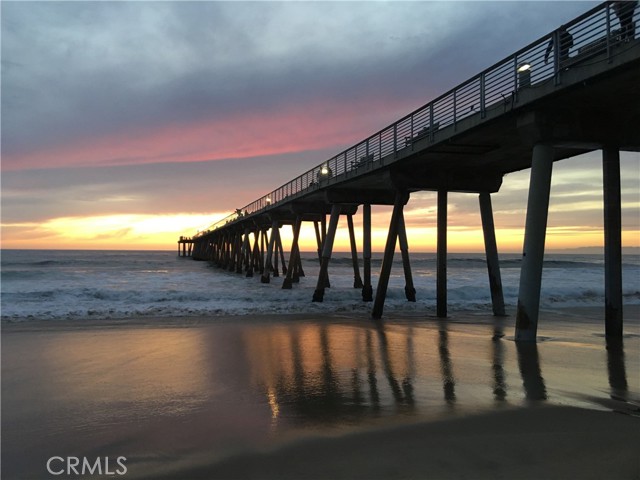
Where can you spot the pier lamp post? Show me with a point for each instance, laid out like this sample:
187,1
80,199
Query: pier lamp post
324,173
524,75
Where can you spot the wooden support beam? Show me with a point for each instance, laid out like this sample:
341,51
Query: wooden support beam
357,281
409,289
367,289
387,261
491,249
327,248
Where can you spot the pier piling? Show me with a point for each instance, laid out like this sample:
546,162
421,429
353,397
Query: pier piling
491,249
612,242
534,238
441,280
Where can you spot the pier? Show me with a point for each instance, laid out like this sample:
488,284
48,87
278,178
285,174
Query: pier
573,91
185,246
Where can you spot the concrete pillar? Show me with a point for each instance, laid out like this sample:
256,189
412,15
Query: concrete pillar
357,281
534,237
387,261
327,248
265,278
612,242
441,280
491,249
409,289
293,256
320,242
246,250
367,289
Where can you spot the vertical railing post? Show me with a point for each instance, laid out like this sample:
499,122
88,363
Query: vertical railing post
455,110
431,122
482,93
411,132
366,153
608,27
556,56
395,138
515,77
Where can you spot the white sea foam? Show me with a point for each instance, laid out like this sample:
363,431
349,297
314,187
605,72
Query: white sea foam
102,285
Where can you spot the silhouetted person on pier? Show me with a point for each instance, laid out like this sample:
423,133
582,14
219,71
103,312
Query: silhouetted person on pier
566,42
624,11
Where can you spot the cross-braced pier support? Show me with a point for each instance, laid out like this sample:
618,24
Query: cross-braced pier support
294,256
387,260
327,248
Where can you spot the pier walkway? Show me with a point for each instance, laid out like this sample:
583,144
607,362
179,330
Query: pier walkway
526,111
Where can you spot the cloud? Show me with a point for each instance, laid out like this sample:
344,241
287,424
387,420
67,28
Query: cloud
80,73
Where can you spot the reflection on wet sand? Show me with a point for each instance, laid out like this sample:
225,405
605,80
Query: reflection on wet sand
224,386
616,369
328,372
446,369
529,364
313,371
497,365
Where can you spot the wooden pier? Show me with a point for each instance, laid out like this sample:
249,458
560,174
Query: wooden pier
520,113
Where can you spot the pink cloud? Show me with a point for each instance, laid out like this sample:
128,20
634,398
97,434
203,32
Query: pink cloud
322,124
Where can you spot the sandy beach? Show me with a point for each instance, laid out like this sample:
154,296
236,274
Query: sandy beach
323,397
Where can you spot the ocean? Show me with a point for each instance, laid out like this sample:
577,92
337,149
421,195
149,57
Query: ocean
75,285
175,369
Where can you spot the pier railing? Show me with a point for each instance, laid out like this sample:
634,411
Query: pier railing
592,33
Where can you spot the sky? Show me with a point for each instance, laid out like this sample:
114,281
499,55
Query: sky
128,124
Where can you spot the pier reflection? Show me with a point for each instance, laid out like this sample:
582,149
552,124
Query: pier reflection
529,365
446,368
336,372
329,373
616,369
497,361
332,372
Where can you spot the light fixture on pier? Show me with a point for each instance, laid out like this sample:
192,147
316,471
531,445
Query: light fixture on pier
324,173
524,74
523,67
268,200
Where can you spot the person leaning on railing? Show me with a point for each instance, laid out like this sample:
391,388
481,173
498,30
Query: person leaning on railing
566,42
624,12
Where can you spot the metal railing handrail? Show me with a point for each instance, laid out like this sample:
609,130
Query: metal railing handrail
488,88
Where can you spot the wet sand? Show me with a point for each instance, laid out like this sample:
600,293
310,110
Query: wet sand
324,397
